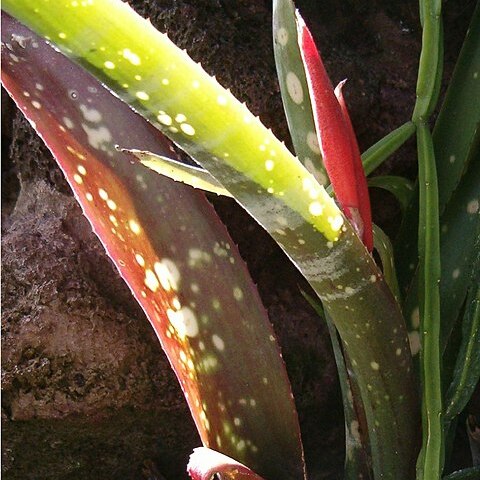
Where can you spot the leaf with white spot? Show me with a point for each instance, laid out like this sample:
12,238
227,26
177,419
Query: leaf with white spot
459,226
205,463
257,169
294,89
456,129
180,172
170,247
467,367
456,138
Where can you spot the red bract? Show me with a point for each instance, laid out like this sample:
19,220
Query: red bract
341,155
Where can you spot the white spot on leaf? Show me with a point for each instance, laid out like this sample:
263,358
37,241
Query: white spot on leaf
294,88
218,343
282,36
184,322
132,57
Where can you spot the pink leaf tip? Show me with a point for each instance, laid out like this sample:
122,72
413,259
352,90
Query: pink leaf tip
205,463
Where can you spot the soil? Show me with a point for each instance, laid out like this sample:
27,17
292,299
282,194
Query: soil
87,391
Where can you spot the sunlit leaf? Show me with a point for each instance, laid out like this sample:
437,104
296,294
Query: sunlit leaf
180,172
173,252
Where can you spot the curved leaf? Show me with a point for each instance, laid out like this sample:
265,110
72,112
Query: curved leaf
400,187
374,156
173,252
384,248
180,172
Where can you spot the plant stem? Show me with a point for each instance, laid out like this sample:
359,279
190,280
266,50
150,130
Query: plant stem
430,463
430,60
431,460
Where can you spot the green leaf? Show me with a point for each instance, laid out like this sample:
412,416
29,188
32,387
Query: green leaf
400,187
180,172
380,151
431,61
294,89
174,253
467,367
458,122
430,463
384,248
459,225
356,458
220,133
456,139
471,473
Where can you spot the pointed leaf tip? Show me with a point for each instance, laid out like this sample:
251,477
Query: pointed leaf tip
364,210
205,463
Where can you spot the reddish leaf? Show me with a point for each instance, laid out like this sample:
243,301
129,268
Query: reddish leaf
205,463
173,252
337,140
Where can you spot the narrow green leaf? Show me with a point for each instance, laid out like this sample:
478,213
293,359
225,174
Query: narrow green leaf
384,248
174,253
180,172
431,459
220,133
294,89
380,151
400,187
456,139
430,66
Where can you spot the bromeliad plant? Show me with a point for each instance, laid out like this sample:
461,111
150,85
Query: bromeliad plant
187,275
